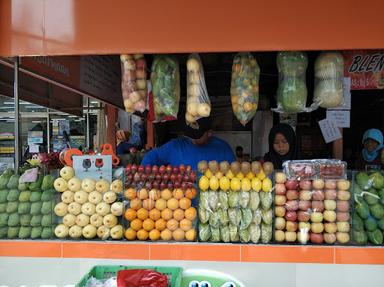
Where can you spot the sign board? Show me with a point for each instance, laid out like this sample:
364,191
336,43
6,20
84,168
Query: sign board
341,118
93,166
329,130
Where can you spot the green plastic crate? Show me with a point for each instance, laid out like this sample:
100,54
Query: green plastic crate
104,272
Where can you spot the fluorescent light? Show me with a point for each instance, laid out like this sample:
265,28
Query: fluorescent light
33,107
6,108
8,103
36,122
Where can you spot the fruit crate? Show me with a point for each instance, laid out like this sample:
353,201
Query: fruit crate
104,272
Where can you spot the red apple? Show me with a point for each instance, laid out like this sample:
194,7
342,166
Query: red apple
175,170
291,184
189,184
342,216
170,185
188,169
316,238
182,168
169,169
133,168
148,185
158,177
128,169
186,178
318,195
292,194
342,206
184,185
166,177
330,194
136,177
192,176
163,185
305,184
173,177
155,169
141,169
330,184
292,205
291,226
180,177
305,205
280,189
156,185
318,206
143,177
291,215
303,216
162,169
148,169
177,184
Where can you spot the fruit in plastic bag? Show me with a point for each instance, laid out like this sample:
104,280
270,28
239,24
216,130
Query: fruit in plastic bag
255,232
254,200
223,200
292,89
245,87
165,79
204,200
266,200
245,236
233,199
203,215
256,217
214,220
360,237
223,216
267,216
213,200
329,69
235,216
215,234
141,277
198,103
204,232
225,234
246,218
266,233
244,199
233,233
376,237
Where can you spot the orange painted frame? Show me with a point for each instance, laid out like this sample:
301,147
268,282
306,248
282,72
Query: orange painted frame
71,27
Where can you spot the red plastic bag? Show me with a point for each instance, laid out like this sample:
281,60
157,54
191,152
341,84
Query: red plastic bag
141,278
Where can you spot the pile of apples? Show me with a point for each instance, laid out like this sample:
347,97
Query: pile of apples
312,210
160,203
88,208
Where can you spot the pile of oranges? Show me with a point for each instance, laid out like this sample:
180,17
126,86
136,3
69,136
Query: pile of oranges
160,215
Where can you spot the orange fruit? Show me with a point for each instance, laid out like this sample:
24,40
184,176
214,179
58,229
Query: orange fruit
130,193
161,204
142,194
160,224
142,234
166,234
172,224
135,204
136,224
166,194
130,214
130,234
185,203
178,214
148,224
191,193
185,224
190,213
173,204
166,214
142,214
154,194
178,193
154,235
148,204
178,234
154,214
190,235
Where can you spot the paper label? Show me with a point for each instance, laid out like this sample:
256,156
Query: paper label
340,117
93,166
329,130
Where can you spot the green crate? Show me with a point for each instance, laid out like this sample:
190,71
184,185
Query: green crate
104,272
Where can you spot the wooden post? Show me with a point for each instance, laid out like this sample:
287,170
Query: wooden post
337,148
111,112
150,134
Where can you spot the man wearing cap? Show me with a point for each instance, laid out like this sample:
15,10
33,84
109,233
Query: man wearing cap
194,146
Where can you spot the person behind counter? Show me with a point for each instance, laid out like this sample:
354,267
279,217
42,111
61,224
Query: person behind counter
373,151
282,145
239,153
196,145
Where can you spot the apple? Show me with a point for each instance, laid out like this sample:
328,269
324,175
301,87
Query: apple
280,189
303,216
291,216
184,186
136,177
329,238
88,185
330,204
318,184
292,194
102,208
343,226
168,169
117,186
305,184
109,220
305,195
170,185
162,169
291,184
177,184
343,195
102,185
61,209
316,217
88,208
148,169
280,223
305,205
103,232
95,197
343,184
318,206
175,170
67,172
279,235
330,227
109,197
182,168
292,205
329,215
155,169
74,184
318,194
134,168
342,206
330,194
280,177
290,236
75,231
80,196
156,185
304,226
166,177
280,200
69,220
60,184
303,236
96,220
192,176
317,238
317,227
291,226
173,178
180,177
82,220
74,208
280,211
141,169
89,231
330,184
158,177
117,208
163,185
67,196
61,231
342,237
117,232
342,216
128,169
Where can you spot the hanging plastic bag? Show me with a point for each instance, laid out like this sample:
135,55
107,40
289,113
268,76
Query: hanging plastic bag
165,79
329,69
245,87
292,89
198,103
141,277
134,82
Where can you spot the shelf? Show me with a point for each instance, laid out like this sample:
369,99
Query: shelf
192,252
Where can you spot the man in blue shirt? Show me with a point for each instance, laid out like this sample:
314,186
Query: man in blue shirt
196,145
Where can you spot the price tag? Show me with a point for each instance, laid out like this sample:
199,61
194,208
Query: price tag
329,130
340,117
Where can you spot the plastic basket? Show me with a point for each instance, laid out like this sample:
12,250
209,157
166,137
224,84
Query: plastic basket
105,272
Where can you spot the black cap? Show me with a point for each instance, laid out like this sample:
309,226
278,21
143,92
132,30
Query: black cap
204,125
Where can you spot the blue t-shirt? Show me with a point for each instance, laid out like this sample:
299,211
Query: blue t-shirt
183,151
